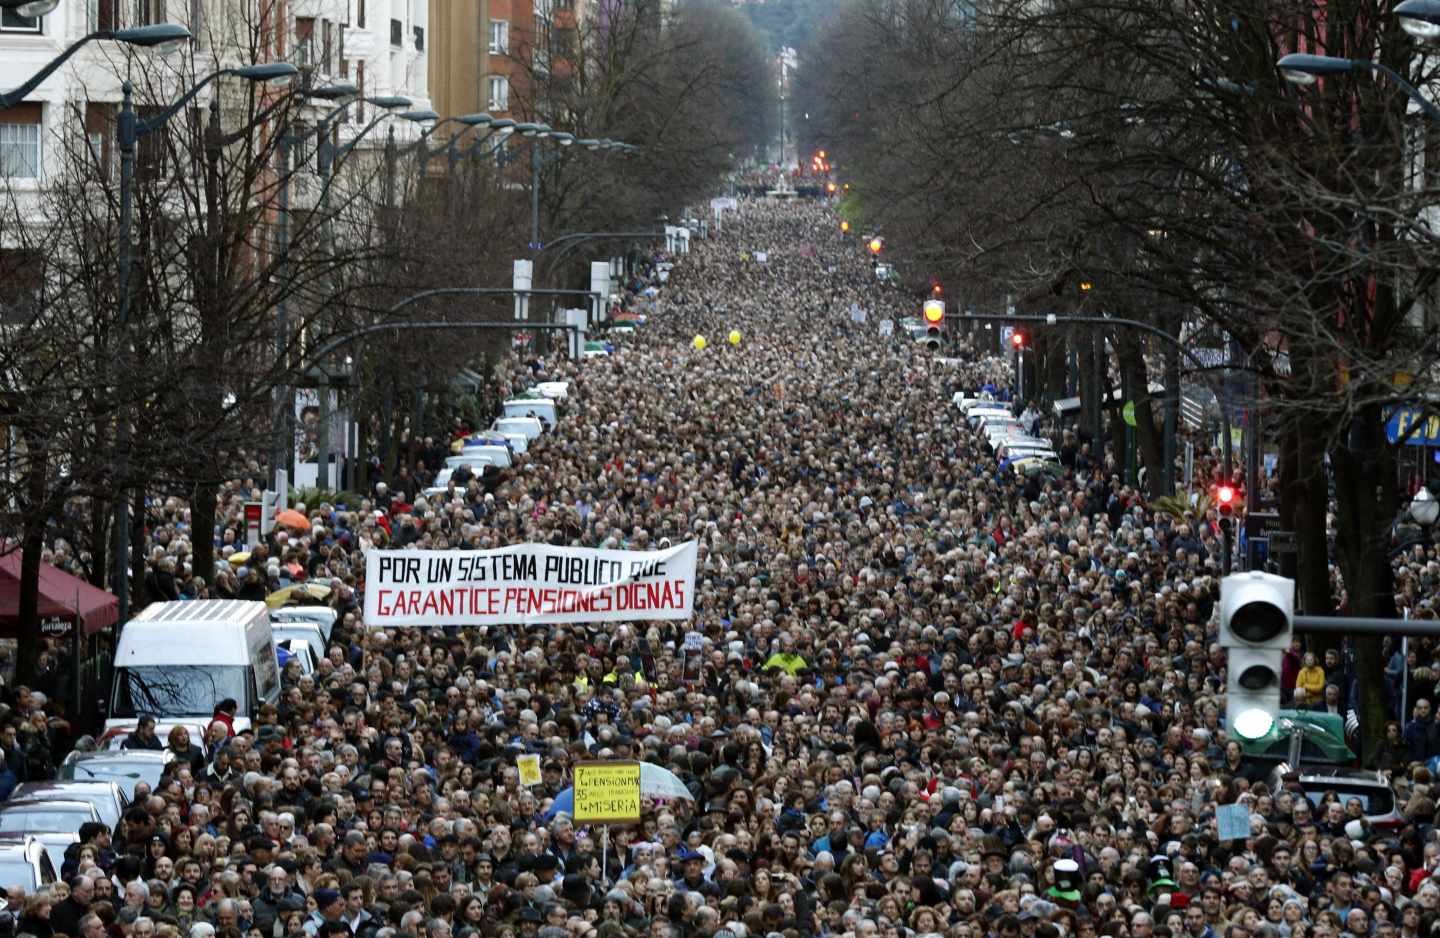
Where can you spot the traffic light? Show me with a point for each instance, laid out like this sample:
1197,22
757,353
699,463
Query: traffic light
1257,612
1017,340
936,290
830,188
934,314
1225,496
844,227
875,245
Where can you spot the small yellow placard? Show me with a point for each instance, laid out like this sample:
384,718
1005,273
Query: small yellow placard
607,792
529,766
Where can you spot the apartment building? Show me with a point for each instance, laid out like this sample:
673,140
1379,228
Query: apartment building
484,54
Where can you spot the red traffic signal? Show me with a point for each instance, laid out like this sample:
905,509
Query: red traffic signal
1017,339
830,187
936,289
1225,496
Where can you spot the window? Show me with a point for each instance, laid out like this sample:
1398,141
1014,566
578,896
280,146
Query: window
99,135
499,93
305,42
12,22
359,14
397,33
22,275
144,12
499,37
419,38
20,142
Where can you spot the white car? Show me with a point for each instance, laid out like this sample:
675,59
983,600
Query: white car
530,427
289,631
323,617
298,650
555,390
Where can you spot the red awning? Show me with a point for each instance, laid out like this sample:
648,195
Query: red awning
62,596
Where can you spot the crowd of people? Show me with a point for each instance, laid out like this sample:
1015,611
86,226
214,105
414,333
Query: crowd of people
933,698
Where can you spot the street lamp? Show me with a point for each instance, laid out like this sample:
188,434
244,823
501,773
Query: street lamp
539,132
1420,18
129,131
145,37
1424,508
30,7
1302,68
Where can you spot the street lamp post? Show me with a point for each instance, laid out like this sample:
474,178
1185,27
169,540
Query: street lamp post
538,160
129,131
329,156
1302,68
281,442
160,34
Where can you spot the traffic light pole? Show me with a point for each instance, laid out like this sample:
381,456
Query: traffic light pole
1341,625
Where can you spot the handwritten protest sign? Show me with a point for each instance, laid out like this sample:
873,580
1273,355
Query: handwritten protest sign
607,792
529,766
1232,821
527,583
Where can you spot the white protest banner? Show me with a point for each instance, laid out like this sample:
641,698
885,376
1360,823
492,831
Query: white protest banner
527,583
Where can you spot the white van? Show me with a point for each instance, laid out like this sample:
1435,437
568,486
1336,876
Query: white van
177,660
530,427
544,408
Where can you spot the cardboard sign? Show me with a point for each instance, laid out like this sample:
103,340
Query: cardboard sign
527,583
607,792
1232,822
529,766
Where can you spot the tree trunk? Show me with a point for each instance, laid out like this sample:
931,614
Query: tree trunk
137,549
98,538
202,527
32,545
1148,441
1365,499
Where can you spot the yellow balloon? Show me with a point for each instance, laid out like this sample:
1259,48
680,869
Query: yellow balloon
734,336
698,342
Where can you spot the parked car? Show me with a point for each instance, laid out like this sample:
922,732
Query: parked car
114,738
25,863
296,649
54,844
306,631
125,768
1376,797
320,616
107,797
35,815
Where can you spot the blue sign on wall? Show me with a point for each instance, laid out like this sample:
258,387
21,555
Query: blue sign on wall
1404,421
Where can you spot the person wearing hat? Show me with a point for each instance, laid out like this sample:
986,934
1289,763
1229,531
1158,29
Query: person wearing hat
692,872
1065,884
329,907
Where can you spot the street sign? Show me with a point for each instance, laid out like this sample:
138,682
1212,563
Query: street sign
607,792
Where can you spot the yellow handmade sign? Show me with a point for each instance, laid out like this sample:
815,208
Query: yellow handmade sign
529,766
607,792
